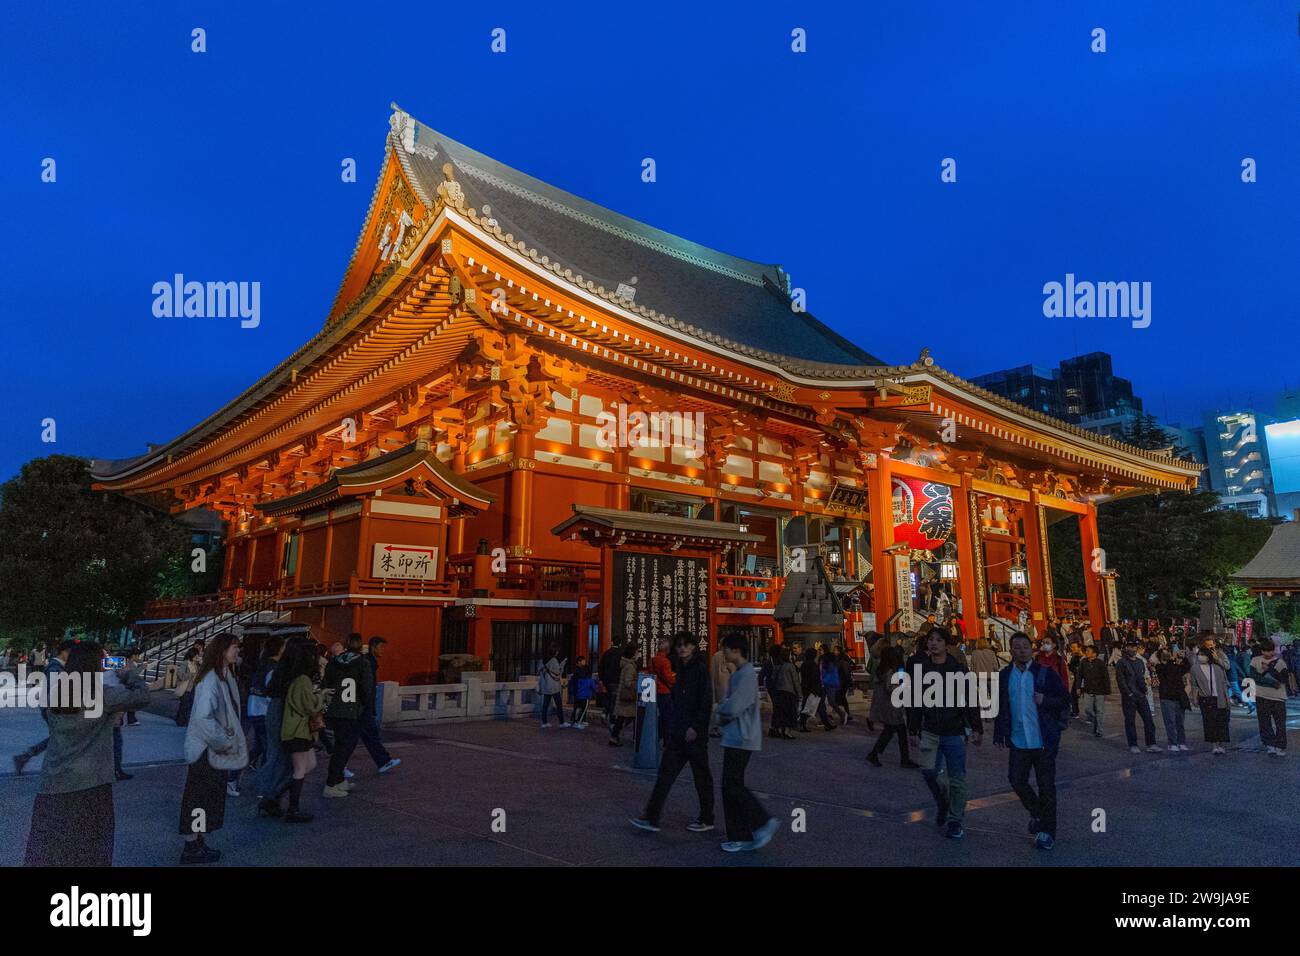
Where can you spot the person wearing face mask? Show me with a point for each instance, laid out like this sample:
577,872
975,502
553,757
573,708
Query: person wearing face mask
1049,656
1210,681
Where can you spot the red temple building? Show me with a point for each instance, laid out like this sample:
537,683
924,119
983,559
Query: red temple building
530,420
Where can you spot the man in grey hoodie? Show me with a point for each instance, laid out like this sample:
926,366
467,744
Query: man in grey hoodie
749,826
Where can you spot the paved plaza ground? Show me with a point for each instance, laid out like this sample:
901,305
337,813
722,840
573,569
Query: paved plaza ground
566,797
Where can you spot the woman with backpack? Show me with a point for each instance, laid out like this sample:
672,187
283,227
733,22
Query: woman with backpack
214,746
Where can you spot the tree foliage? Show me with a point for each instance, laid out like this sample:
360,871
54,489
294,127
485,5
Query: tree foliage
75,558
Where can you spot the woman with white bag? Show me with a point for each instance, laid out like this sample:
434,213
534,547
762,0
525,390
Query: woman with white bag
214,745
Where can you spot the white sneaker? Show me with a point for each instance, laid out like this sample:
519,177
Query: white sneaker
566,724
1279,752
337,791
1272,751
1184,748
580,726
391,765
1173,748
1134,750
1154,749
546,726
1218,749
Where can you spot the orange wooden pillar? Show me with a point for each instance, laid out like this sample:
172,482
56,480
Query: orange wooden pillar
478,639
880,503
967,537
519,529
1037,561
1093,564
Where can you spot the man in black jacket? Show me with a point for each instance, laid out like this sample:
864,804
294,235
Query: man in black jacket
938,725
608,670
348,676
686,737
1094,685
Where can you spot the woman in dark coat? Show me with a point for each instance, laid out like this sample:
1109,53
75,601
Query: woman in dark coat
892,719
811,675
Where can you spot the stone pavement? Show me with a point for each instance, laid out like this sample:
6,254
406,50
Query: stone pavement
566,797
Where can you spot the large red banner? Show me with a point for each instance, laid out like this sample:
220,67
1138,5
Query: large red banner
922,513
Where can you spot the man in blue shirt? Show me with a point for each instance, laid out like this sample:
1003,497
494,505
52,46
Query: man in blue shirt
1031,702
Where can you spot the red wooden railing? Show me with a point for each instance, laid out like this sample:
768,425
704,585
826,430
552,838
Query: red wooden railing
1065,607
747,591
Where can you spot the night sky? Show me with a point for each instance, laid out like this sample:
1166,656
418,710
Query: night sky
1122,166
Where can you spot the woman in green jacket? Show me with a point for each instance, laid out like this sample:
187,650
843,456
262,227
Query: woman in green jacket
302,703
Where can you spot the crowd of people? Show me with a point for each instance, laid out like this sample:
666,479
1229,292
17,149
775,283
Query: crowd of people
268,721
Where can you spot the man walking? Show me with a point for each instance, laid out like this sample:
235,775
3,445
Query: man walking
347,675
1131,675
1031,704
608,670
749,826
939,731
1094,685
686,737
720,674
369,721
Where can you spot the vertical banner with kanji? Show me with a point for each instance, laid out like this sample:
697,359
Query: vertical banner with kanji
656,595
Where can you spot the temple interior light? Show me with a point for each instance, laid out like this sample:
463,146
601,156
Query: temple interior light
1019,577
948,569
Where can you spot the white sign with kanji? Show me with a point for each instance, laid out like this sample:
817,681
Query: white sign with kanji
405,561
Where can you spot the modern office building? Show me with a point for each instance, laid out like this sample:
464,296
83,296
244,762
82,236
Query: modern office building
1237,461
1083,391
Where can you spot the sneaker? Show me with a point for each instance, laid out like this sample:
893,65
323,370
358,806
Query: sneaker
1096,733
763,835
873,759
954,830
337,790
699,826
1218,749
348,785
392,764
734,846
348,774
1154,749
1173,748
232,788
1184,748
566,724
582,726
1272,751
20,761
615,743
546,726
1044,841
1280,752
641,823
1134,750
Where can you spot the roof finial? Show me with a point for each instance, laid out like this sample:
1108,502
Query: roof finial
403,127
924,358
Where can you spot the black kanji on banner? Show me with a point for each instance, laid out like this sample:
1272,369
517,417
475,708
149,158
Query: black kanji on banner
656,595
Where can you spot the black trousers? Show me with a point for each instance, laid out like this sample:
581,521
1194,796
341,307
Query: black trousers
347,731
743,813
677,754
1132,706
1272,722
890,731
1041,805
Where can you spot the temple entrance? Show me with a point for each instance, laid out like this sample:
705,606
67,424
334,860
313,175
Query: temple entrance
1066,549
519,647
761,639
1006,562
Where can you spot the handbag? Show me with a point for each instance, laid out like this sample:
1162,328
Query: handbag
810,705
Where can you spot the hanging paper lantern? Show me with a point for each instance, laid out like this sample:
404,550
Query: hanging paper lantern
922,513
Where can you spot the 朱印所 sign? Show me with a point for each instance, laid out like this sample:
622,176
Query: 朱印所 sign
416,561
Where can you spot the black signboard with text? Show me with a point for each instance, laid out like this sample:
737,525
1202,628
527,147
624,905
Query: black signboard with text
658,594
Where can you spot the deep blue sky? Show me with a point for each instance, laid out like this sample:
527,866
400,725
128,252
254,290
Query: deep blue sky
225,166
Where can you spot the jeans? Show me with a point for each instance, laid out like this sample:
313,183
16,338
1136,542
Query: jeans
1041,805
940,754
1094,711
559,706
276,771
1171,713
258,751
1272,722
346,731
741,809
369,730
1132,707
677,754
580,710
